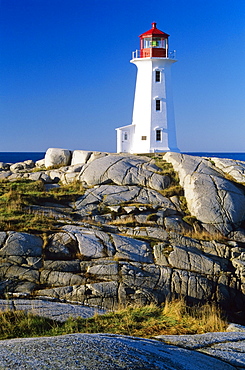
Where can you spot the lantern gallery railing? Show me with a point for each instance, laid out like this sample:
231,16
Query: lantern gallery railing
138,54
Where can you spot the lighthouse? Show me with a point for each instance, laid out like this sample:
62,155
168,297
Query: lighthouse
153,124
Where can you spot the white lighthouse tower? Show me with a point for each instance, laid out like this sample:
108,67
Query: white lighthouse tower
153,124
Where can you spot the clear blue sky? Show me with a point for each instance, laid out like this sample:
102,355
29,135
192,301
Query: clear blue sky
66,80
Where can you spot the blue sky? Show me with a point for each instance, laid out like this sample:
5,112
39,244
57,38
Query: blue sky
66,80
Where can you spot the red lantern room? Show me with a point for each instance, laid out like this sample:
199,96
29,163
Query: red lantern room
154,43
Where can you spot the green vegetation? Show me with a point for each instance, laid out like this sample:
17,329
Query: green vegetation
166,169
173,190
16,198
184,206
190,219
148,321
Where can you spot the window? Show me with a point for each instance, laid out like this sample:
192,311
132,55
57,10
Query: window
143,137
158,104
147,42
155,43
158,135
157,76
125,136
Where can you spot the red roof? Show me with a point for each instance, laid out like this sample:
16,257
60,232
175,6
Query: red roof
154,31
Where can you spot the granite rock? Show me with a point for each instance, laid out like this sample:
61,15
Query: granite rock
56,156
105,352
123,170
215,201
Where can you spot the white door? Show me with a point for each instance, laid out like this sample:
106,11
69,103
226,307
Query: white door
125,141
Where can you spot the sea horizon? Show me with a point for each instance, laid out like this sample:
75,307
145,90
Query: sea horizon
14,157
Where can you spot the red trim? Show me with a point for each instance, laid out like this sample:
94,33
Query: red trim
153,53
154,31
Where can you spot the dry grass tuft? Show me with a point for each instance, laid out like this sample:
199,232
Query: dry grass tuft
17,196
148,321
205,235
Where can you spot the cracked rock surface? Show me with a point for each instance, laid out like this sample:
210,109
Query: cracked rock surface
228,347
103,351
128,239
217,202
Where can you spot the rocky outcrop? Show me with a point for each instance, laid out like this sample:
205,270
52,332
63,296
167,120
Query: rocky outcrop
227,347
123,170
235,169
130,238
106,269
109,352
217,202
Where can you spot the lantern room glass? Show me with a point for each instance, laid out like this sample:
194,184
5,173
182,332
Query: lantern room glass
154,42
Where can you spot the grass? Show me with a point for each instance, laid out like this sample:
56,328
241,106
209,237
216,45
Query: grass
19,324
184,206
205,235
173,190
190,219
147,321
17,196
126,221
166,169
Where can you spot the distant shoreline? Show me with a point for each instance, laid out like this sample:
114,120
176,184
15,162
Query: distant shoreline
13,157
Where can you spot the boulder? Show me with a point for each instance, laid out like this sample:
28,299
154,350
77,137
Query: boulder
57,157
4,174
69,177
80,157
29,164
17,167
55,175
215,201
40,163
35,176
20,166
4,166
140,276
25,288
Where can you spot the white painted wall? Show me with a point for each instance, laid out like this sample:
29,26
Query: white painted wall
124,145
146,120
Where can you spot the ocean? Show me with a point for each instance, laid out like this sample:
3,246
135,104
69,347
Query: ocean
13,157
237,155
